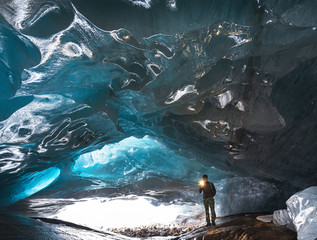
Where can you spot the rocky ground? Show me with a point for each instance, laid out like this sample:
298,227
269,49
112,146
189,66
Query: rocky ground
236,227
146,231
243,227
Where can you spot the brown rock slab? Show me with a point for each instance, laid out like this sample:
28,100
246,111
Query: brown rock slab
247,228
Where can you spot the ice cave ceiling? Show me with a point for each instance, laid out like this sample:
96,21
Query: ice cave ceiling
167,89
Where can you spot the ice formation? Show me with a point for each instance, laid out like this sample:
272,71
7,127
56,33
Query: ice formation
112,98
301,214
281,217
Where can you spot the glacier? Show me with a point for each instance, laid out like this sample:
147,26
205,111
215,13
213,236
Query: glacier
140,98
301,213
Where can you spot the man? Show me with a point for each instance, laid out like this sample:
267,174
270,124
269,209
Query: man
209,191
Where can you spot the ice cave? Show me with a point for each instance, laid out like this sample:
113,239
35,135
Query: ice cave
111,111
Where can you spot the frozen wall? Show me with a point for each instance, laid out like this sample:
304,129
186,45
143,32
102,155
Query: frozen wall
301,214
167,89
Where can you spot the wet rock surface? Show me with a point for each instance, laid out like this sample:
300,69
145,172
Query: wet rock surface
235,227
154,231
245,227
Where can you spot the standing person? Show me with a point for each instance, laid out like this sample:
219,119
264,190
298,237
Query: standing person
209,191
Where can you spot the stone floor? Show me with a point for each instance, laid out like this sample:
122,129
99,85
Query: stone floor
241,227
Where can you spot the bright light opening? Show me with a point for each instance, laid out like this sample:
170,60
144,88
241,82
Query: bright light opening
131,211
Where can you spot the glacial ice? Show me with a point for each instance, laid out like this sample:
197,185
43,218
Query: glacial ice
281,217
132,159
242,194
301,214
91,103
302,209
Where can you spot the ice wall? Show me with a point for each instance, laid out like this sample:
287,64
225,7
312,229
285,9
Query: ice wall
301,214
223,87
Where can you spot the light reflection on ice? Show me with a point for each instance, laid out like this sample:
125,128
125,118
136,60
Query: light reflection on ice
209,124
8,165
71,49
239,40
144,3
27,119
172,4
239,105
225,98
33,182
180,93
205,123
130,211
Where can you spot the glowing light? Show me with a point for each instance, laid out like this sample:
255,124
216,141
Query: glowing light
126,37
34,182
131,211
201,183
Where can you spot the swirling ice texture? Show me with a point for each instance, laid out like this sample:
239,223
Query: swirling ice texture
230,86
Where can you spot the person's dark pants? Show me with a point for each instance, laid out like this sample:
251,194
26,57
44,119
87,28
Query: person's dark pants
210,203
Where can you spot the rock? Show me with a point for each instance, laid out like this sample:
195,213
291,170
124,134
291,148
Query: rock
243,227
266,218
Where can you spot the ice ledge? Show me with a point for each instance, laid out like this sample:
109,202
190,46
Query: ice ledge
301,214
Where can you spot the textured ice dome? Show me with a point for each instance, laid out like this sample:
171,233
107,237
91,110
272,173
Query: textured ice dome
118,98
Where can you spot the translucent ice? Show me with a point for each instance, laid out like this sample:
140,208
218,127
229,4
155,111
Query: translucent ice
116,92
301,214
29,184
281,217
302,209
133,159
242,194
